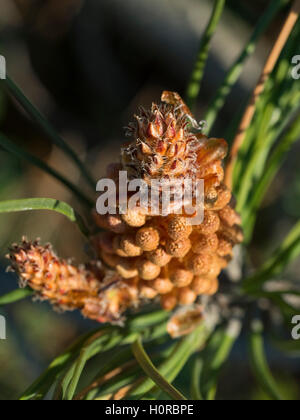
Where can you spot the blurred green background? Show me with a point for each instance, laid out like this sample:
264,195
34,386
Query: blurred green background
87,65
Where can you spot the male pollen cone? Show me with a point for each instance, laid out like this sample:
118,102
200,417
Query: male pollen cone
145,256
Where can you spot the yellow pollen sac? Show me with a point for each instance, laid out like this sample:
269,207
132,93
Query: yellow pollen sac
147,238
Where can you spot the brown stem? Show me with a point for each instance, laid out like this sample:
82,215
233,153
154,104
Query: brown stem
260,87
107,377
123,392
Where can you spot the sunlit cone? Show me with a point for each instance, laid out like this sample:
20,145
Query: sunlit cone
144,255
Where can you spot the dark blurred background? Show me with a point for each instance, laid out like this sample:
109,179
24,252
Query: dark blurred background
87,65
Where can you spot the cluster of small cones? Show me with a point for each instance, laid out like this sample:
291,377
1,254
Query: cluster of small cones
145,256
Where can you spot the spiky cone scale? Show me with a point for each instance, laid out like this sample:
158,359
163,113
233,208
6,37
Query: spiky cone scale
166,257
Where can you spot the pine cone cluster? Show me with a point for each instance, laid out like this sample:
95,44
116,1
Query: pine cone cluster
171,257
145,256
